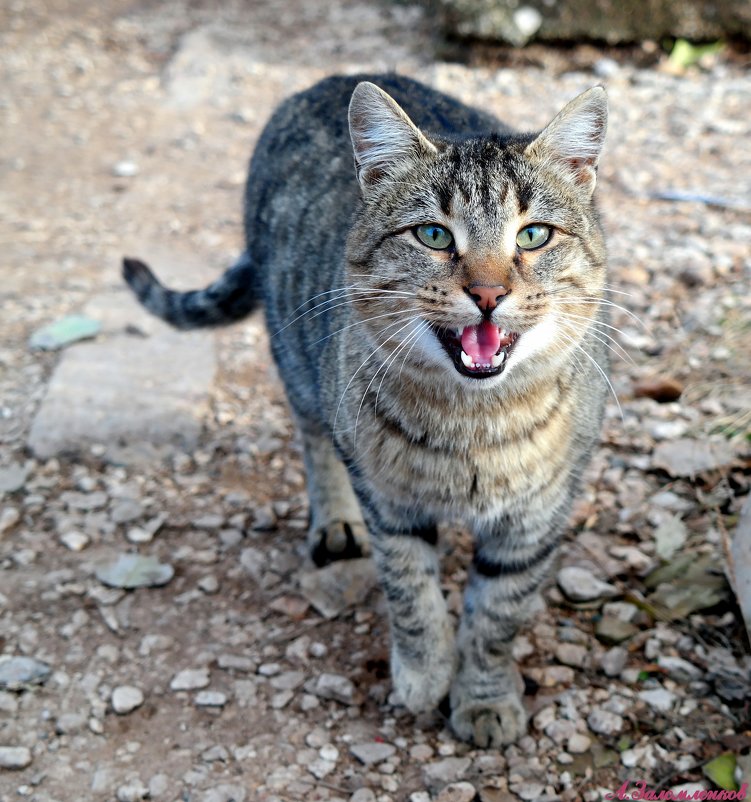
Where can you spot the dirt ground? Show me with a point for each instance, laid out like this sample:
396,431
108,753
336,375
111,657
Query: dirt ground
126,130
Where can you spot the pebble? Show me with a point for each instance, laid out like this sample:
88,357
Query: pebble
571,654
613,661
528,790
134,571
69,723
281,699
210,699
679,669
613,630
75,541
288,680
8,703
126,510
321,768
209,584
126,698
14,757
132,792
458,792
335,686
372,752
578,744
421,752
15,672
581,585
419,796
443,772
363,795
125,169
9,517
603,722
235,662
12,478
159,784
190,679
659,699
224,793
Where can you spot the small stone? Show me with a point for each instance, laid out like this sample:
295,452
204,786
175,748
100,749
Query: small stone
372,752
214,754
419,796
132,792
659,699
126,510
363,795
134,571
528,790
210,699
15,672
335,686
209,584
125,169
581,585
12,478
224,793
578,744
159,784
9,517
190,679
321,768
603,722
14,757
75,541
341,584
281,699
235,662
614,661
269,669
69,723
560,731
137,534
571,654
8,703
458,792
421,752
209,521
288,680
679,669
442,772
613,630
329,752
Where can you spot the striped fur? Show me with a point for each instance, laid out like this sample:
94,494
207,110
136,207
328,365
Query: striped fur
397,439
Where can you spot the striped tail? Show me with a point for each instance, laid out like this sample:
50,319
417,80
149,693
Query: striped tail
228,299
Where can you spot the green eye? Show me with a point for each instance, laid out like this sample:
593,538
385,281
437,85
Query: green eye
434,236
531,237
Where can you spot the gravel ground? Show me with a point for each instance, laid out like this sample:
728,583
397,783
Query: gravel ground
238,672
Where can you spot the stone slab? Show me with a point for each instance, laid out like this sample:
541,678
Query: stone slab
140,390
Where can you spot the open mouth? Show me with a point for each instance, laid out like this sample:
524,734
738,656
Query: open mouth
478,351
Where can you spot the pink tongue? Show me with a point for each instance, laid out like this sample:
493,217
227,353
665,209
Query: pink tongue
481,342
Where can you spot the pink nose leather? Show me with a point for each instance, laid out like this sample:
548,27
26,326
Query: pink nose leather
486,297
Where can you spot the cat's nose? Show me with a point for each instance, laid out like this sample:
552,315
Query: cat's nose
486,298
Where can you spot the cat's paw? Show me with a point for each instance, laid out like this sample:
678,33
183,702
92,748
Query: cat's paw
489,723
421,688
338,540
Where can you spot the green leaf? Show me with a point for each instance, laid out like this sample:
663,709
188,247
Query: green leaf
685,54
63,332
721,771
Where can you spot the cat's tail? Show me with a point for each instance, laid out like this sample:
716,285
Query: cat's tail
230,298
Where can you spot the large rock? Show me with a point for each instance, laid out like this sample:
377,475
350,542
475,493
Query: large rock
612,21
138,390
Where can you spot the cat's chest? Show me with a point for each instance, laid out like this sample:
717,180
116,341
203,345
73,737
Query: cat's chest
458,461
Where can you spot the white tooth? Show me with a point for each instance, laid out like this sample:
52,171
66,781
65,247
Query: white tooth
459,330
467,359
496,359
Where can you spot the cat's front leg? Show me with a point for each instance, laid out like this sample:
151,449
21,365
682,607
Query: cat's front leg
422,640
509,565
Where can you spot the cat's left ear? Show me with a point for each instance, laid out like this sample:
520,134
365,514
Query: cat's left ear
384,139
575,137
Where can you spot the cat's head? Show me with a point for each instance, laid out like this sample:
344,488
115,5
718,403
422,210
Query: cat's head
482,257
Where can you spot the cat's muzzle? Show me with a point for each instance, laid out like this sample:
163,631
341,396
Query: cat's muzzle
477,351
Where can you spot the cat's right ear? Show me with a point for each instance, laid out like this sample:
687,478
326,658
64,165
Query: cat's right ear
384,139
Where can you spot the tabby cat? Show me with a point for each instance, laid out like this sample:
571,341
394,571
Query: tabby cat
435,314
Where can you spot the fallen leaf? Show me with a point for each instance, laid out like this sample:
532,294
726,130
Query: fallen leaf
721,771
63,332
134,571
687,457
670,535
662,389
